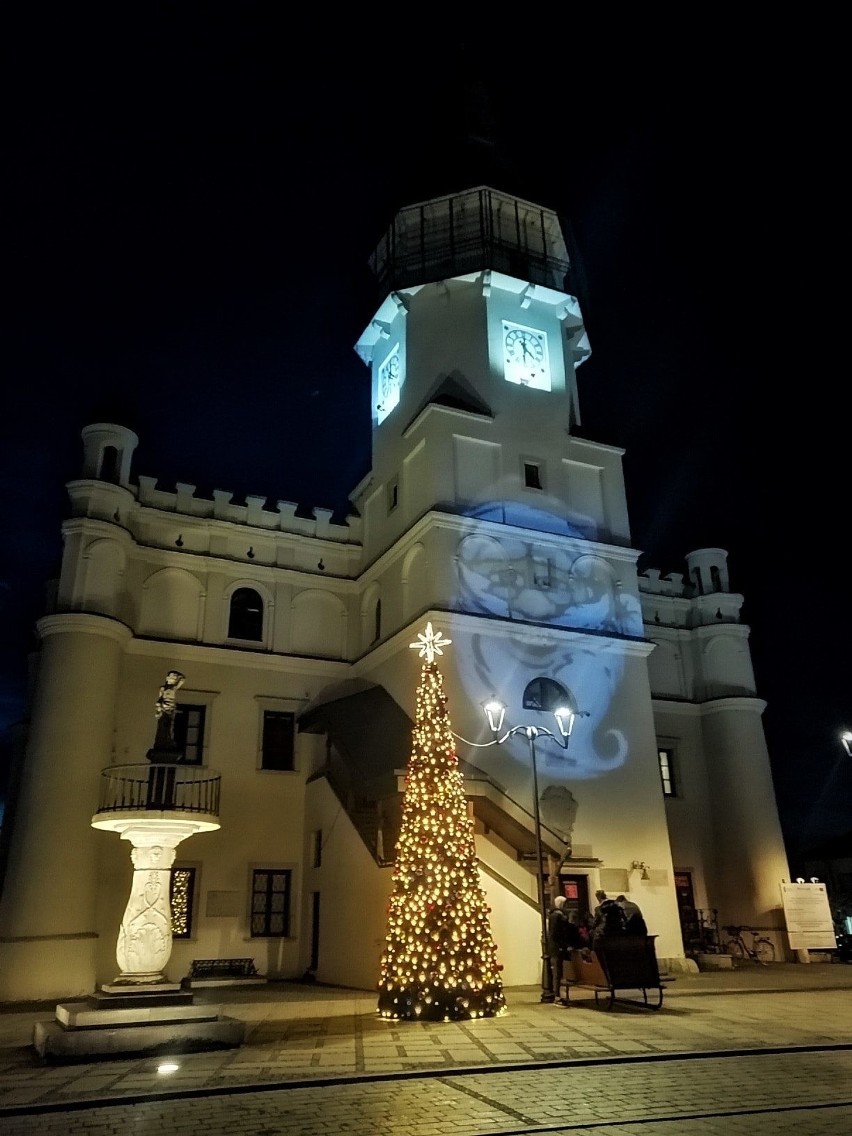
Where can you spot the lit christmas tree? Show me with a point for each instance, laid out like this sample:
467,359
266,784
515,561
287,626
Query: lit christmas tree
439,962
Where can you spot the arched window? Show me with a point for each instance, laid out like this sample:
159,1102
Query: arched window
109,464
546,694
246,616
377,629
715,578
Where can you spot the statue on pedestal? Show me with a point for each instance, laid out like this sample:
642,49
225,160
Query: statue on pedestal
161,782
164,748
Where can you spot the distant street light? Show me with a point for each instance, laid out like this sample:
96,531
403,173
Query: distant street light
846,739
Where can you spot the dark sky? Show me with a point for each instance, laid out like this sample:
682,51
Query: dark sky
190,202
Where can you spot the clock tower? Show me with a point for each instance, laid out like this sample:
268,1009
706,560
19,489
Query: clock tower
486,511
473,353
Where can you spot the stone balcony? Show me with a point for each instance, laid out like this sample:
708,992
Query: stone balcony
158,791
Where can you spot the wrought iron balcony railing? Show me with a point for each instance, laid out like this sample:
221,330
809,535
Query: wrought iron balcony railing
159,787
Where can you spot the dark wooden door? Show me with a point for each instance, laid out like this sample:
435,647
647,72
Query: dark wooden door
689,923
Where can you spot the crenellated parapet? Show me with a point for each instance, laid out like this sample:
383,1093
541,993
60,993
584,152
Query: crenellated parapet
698,598
254,513
106,491
168,563
701,645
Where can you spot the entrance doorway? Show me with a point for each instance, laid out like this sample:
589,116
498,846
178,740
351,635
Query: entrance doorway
690,928
576,892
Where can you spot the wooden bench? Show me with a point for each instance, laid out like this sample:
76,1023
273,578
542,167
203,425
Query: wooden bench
620,962
222,970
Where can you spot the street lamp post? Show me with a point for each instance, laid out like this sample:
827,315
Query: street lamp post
846,739
495,712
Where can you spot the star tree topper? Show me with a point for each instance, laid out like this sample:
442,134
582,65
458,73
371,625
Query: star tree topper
430,643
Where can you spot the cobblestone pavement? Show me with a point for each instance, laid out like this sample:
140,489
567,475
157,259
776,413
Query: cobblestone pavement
319,1060
808,1094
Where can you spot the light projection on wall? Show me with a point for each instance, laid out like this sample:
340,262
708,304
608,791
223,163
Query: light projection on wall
518,578
539,520
539,585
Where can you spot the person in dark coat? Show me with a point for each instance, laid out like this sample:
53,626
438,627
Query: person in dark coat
609,919
634,921
562,936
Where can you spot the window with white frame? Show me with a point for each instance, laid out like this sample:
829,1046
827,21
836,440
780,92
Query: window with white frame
667,773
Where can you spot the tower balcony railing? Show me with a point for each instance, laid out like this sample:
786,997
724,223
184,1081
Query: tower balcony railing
159,787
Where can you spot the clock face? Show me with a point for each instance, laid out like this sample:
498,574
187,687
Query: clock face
525,356
389,379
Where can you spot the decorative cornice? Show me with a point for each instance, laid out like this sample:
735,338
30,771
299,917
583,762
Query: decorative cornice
84,623
283,663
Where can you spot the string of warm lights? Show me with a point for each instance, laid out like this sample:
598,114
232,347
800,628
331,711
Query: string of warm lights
180,901
439,961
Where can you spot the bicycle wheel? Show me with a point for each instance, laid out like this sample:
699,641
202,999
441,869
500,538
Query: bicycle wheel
734,947
764,951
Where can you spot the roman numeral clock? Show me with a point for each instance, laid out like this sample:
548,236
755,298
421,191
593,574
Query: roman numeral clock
526,359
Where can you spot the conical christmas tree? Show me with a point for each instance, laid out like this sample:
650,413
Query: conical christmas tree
439,962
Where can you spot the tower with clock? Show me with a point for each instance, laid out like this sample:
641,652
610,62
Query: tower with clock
473,352
487,513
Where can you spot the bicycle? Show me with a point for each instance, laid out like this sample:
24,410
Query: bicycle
762,950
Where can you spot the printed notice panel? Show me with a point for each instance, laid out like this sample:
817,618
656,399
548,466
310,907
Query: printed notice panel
808,915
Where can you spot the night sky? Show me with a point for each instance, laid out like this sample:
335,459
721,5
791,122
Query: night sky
191,201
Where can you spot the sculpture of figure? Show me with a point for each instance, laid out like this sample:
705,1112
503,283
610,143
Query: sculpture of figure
164,747
167,699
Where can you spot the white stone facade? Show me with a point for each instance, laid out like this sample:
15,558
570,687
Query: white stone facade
484,512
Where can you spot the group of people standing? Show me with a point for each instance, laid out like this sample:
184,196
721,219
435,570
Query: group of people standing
619,916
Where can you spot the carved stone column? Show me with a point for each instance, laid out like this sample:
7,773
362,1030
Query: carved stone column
145,936
144,943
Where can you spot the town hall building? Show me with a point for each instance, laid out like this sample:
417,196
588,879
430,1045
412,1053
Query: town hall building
485,513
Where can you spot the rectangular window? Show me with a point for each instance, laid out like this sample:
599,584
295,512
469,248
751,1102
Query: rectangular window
393,494
189,733
318,848
666,757
541,573
270,903
532,475
279,732
182,898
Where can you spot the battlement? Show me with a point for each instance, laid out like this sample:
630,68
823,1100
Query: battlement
702,599
671,585
106,488
254,513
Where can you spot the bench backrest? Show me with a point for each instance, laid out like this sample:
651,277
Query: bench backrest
629,960
222,968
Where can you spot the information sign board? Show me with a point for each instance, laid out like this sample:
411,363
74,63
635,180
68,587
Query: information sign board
808,915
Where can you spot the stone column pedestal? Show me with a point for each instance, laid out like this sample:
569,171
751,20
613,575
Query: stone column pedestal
145,936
